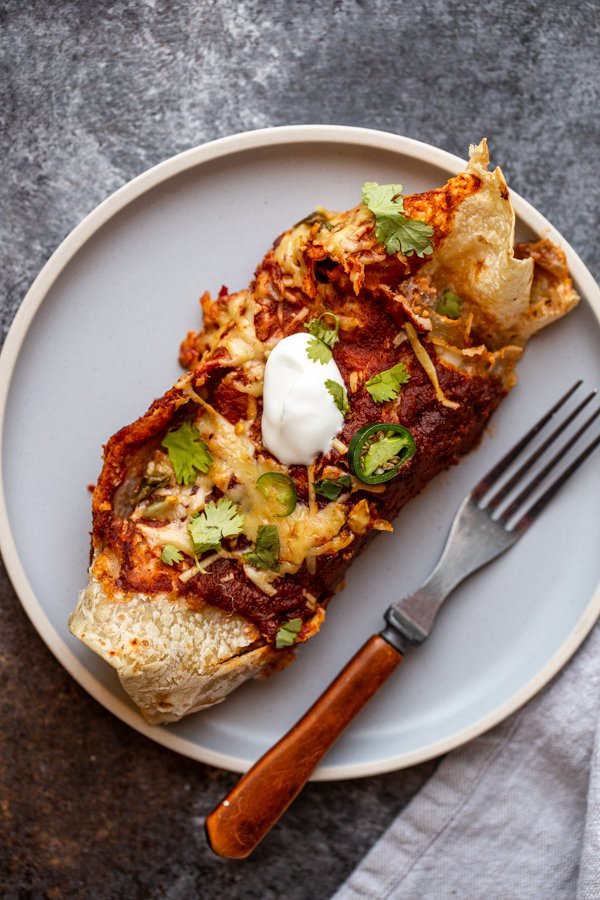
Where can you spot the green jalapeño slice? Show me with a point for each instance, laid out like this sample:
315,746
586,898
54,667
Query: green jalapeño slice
377,451
279,491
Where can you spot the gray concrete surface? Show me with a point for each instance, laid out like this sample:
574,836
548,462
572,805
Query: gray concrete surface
93,93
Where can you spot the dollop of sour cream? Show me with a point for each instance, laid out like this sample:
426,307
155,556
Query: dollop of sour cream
300,418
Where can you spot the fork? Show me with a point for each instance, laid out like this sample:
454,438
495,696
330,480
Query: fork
490,519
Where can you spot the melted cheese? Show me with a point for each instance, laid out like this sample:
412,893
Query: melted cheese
289,255
299,532
235,460
176,534
263,580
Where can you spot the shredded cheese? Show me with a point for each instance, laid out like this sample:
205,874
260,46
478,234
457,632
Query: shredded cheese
312,499
425,360
262,580
382,525
199,567
359,517
339,542
339,446
236,467
175,533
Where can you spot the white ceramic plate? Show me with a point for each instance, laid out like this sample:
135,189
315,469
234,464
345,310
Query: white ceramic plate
96,339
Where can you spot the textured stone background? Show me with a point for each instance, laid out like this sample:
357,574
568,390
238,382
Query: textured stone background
92,94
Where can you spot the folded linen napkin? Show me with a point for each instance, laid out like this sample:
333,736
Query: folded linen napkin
513,815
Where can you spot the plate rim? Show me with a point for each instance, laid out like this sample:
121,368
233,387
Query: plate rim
60,258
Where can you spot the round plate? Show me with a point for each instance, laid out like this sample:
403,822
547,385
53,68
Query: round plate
96,339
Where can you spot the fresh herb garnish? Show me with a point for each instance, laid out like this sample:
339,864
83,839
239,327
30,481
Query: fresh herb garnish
324,337
288,633
386,385
318,351
216,521
171,555
392,228
340,397
319,329
266,551
449,305
188,453
331,488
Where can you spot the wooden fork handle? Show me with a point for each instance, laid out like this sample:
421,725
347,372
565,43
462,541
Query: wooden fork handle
242,819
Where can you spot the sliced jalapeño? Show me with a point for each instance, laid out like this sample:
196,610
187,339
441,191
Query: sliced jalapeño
377,451
279,491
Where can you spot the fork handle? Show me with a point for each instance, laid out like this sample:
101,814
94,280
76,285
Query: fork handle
248,812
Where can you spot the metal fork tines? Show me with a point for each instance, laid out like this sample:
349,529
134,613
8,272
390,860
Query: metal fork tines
495,513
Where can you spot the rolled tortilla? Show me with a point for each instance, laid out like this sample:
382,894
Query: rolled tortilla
182,636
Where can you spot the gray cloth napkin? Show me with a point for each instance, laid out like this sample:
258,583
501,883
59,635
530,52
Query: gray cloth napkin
514,815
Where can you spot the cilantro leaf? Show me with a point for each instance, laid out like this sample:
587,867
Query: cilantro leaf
381,452
449,305
288,633
324,337
386,385
188,453
409,236
171,555
216,521
319,329
266,551
392,228
331,488
318,351
383,199
340,397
